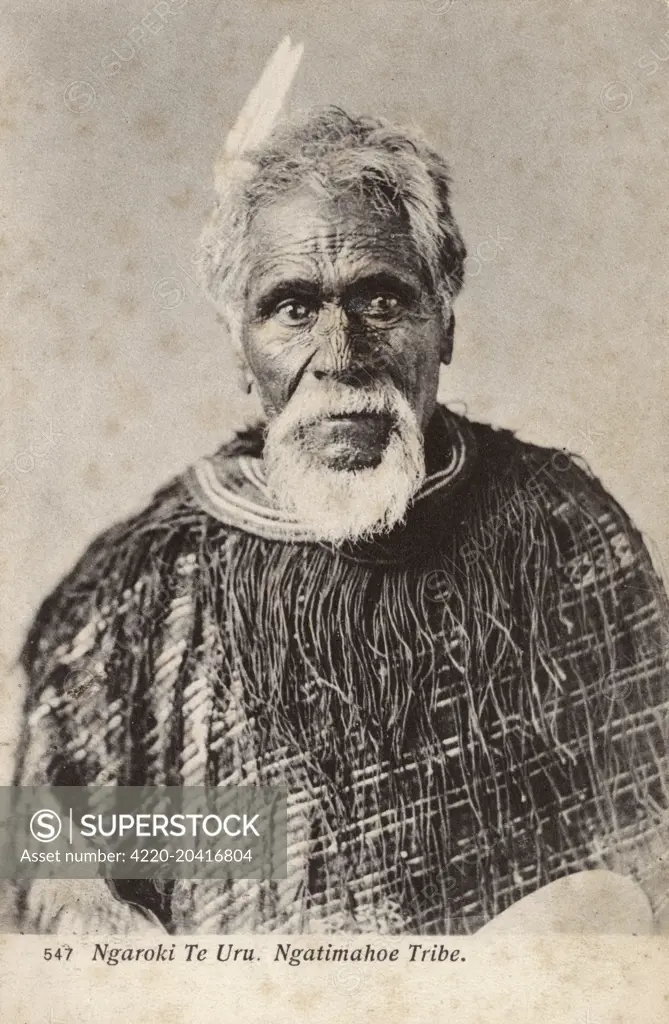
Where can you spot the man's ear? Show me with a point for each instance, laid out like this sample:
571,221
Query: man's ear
231,321
244,374
446,351
232,327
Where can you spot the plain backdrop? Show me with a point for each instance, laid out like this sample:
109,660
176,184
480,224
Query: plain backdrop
115,372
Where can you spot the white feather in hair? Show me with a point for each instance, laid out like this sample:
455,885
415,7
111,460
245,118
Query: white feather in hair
261,110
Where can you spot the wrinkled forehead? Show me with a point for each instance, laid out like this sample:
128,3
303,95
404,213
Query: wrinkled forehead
304,237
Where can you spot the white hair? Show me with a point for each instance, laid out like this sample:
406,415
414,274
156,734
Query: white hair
335,155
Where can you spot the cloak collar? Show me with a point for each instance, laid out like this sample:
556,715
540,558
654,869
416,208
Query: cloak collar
231,487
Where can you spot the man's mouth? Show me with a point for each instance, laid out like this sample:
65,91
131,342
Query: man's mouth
349,440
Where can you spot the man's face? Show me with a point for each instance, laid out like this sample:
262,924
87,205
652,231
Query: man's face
344,340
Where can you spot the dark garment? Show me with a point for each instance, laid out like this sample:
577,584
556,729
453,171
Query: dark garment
462,713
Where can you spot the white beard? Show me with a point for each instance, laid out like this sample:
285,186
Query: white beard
340,505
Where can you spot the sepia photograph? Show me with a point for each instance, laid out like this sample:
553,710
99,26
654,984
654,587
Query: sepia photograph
334,377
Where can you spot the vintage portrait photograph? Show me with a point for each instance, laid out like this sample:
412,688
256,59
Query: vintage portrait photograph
334,378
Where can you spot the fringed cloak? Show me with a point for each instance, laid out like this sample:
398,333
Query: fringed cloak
461,713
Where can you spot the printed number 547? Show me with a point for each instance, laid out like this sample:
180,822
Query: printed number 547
62,953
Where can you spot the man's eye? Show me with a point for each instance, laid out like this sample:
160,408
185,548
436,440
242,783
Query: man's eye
381,307
292,313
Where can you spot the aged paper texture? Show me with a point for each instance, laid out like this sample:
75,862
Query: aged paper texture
333,364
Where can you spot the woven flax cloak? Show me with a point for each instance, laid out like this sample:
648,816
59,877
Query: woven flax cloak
461,714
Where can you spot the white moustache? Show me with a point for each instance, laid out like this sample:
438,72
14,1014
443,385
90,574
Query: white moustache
314,406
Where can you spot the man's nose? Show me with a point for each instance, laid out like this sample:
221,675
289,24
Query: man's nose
333,340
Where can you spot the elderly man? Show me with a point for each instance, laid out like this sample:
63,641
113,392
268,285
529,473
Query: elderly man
447,644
